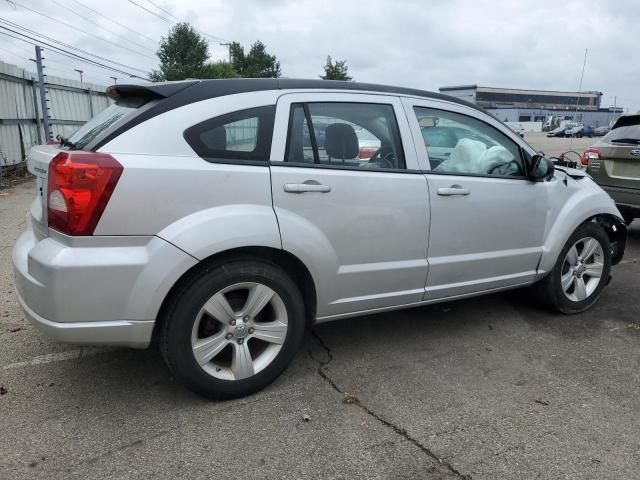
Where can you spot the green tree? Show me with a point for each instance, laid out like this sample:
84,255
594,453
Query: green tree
218,70
182,53
255,64
336,71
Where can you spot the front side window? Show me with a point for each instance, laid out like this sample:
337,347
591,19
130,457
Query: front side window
459,144
357,135
242,135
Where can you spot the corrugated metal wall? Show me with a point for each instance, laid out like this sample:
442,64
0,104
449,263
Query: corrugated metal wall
20,120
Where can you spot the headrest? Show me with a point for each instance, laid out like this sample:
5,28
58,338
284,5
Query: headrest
341,141
215,139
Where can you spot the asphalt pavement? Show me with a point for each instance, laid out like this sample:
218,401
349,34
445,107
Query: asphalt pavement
487,388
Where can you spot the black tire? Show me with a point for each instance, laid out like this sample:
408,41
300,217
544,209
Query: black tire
549,290
182,310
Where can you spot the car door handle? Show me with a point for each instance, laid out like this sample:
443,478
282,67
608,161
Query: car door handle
308,186
453,190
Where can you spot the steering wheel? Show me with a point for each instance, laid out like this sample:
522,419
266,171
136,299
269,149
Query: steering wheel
387,160
502,165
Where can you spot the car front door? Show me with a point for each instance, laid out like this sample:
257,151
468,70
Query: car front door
350,200
487,219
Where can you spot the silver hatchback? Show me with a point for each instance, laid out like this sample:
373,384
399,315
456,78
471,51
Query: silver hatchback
227,216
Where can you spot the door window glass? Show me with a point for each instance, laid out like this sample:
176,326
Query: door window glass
459,144
358,135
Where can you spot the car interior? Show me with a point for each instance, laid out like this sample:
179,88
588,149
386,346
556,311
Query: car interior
454,147
335,127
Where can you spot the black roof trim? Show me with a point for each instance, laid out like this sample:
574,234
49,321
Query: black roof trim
177,94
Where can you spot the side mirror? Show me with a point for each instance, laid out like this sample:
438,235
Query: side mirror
541,168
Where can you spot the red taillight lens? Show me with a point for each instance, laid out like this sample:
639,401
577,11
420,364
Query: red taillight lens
79,187
591,153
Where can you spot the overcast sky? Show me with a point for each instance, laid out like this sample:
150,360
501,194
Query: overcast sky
423,44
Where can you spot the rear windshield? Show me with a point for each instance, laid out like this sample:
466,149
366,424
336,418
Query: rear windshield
628,132
115,114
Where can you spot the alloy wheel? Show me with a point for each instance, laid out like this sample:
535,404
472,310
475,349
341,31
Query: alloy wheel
582,269
239,331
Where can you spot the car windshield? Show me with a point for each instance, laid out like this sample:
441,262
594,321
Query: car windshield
103,121
626,134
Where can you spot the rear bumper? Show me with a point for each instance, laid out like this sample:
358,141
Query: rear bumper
134,334
627,199
95,290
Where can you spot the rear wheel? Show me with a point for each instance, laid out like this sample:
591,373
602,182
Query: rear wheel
232,329
580,273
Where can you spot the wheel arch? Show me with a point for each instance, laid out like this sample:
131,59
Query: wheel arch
291,264
612,224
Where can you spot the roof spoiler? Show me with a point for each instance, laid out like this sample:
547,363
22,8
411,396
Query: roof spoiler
149,91
626,120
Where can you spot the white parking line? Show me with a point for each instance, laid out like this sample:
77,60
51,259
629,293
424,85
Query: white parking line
58,357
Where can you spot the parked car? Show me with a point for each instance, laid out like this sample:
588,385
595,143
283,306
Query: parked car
561,131
519,129
579,131
368,144
196,210
601,131
614,163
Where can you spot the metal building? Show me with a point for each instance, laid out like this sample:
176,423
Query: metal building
520,105
70,105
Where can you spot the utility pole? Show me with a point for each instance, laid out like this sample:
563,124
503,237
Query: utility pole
228,45
575,118
34,92
80,72
43,95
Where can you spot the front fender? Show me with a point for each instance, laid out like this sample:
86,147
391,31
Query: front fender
583,200
207,232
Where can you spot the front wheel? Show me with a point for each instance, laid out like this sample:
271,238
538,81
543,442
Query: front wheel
233,328
580,273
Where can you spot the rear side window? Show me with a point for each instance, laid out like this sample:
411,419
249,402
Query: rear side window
241,135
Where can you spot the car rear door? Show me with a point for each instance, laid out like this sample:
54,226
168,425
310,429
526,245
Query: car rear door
359,222
488,220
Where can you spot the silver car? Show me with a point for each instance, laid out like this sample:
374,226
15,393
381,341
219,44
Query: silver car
214,215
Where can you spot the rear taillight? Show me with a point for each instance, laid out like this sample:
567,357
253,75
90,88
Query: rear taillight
591,153
79,187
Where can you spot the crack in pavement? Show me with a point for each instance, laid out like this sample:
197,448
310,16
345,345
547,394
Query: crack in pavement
352,399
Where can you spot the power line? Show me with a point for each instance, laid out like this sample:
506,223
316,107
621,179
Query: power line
66,53
70,54
101,26
163,10
59,65
171,21
82,31
115,21
15,25
151,12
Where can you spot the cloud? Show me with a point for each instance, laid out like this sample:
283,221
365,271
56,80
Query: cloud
423,44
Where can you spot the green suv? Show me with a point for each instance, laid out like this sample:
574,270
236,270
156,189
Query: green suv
614,163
